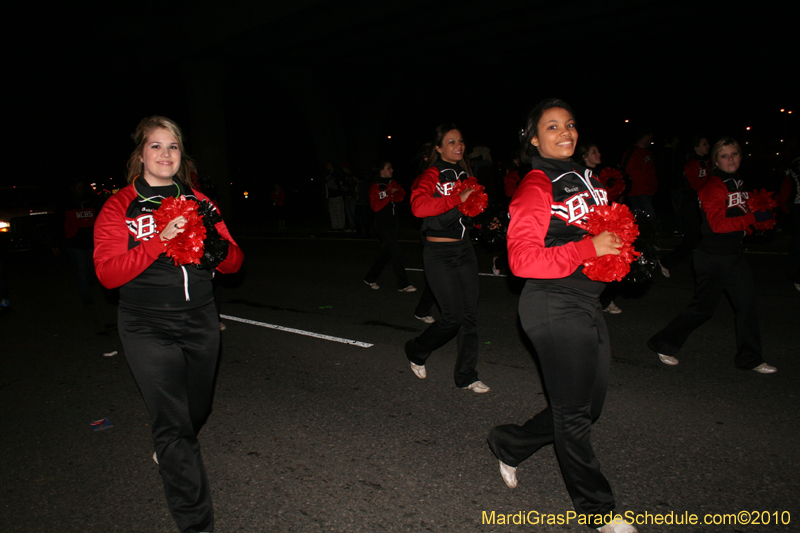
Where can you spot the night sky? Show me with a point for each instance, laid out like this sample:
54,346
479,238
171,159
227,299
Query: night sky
271,90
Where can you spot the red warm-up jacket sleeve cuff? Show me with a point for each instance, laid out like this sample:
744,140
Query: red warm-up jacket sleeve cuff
586,249
424,203
530,212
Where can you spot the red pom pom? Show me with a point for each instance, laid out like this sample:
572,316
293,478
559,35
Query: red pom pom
611,178
396,193
617,219
477,201
186,247
762,200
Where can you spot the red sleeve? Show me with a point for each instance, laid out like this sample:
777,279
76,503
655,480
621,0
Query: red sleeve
692,171
714,201
376,201
511,182
424,203
114,263
530,212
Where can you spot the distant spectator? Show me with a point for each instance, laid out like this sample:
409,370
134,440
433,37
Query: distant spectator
348,184
641,170
278,198
333,192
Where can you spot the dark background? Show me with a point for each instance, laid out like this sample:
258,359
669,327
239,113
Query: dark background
269,91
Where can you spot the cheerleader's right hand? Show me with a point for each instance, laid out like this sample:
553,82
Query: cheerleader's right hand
606,243
172,229
465,194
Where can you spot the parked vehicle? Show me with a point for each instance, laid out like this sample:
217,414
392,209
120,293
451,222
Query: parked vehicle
27,218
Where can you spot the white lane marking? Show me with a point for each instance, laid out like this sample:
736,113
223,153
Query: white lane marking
479,273
298,331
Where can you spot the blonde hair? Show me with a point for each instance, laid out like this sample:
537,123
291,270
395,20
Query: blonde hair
722,143
143,131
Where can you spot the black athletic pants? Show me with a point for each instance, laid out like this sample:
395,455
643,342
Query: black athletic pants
387,228
173,356
567,329
716,274
452,273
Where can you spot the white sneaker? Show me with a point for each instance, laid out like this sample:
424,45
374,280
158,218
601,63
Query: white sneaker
668,359
372,285
764,368
427,319
618,525
478,387
410,288
509,474
664,271
612,309
495,270
419,370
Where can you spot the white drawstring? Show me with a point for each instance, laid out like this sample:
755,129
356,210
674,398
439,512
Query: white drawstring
185,283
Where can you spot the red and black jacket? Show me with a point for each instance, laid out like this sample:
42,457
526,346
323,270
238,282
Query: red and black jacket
130,255
433,200
546,234
726,217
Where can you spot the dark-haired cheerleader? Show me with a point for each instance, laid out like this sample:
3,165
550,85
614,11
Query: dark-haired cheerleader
168,322
560,312
449,260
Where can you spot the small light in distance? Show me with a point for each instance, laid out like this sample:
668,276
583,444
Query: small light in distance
246,195
388,136
626,121
748,128
782,110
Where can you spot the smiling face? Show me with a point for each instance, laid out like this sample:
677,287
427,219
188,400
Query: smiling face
452,148
592,157
161,157
728,159
556,134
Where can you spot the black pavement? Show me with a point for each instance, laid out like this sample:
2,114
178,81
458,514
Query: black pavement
309,434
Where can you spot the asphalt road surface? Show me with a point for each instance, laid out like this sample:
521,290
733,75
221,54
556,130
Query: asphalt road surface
310,434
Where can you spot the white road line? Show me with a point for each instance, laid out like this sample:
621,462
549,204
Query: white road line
479,273
298,331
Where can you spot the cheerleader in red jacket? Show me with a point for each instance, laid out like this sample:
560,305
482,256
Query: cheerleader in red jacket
168,322
449,260
384,195
720,266
560,311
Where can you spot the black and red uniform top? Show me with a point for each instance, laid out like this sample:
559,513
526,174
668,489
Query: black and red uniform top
381,194
130,255
433,200
697,171
726,217
547,239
